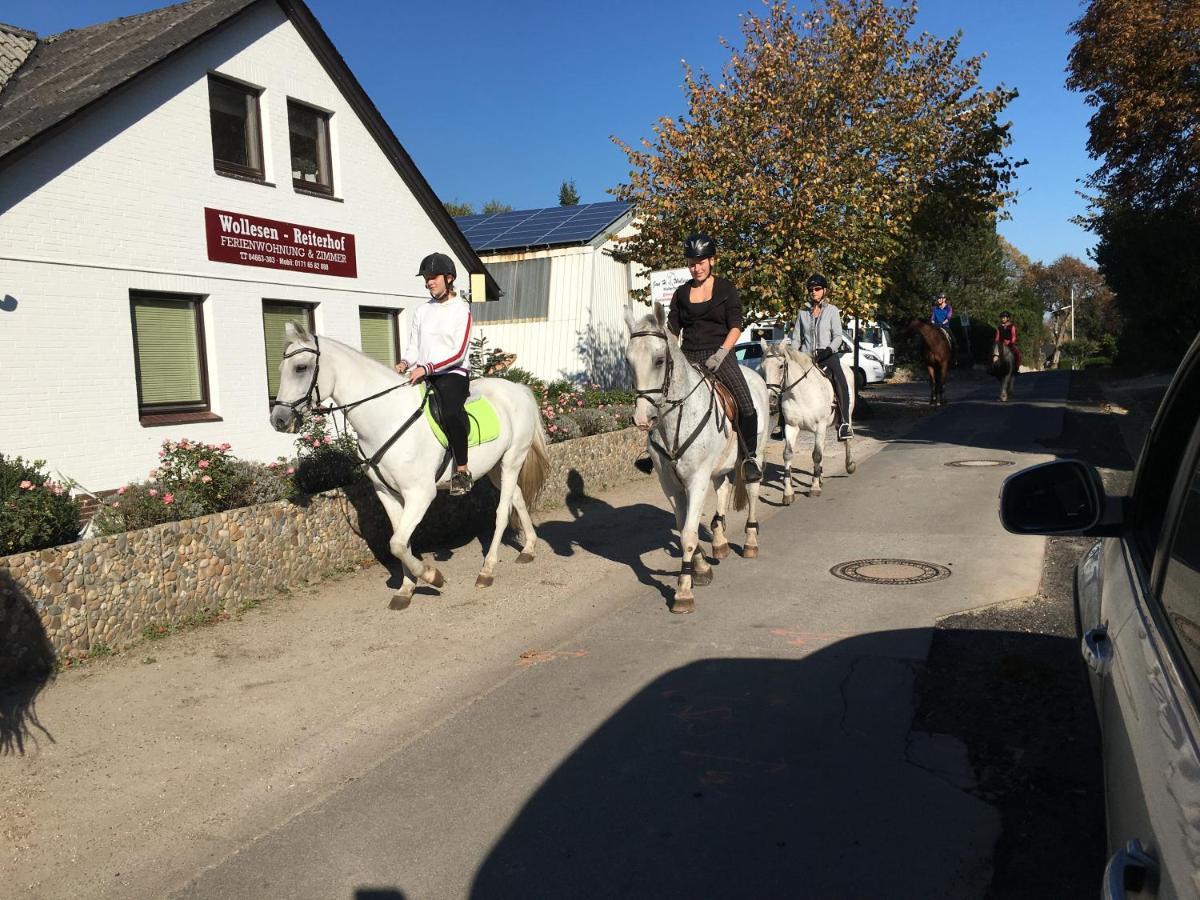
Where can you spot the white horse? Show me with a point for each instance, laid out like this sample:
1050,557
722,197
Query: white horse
404,460
692,444
805,402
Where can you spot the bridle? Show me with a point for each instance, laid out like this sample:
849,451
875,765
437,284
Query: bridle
666,405
312,397
784,386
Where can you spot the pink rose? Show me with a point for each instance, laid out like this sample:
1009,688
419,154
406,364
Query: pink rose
204,464
56,489
291,470
328,439
579,403
153,492
121,490
206,478
224,447
27,485
162,453
168,499
550,415
553,429
154,473
184,445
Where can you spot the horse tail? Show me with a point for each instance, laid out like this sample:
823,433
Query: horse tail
740,498
536,467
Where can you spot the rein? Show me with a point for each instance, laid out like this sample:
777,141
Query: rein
312,397
679,449
782,388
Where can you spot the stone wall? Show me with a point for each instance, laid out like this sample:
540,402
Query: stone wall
103,592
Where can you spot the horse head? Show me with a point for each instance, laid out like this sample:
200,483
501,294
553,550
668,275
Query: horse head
299,378
648,354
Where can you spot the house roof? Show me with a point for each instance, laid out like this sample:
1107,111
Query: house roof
553,226
56,78
15,46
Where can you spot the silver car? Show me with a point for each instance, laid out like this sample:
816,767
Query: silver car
1138,605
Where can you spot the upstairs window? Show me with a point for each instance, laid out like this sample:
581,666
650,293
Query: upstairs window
308,133
236,129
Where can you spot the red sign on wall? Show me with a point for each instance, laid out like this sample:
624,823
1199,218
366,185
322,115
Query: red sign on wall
250,241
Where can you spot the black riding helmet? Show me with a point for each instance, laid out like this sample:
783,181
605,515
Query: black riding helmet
437,264
816,280
1005,314
699,246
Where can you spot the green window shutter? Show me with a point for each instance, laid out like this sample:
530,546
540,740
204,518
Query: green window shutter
378,335
275,317
168,352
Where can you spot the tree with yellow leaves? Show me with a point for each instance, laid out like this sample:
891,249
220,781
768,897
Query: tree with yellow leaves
814,150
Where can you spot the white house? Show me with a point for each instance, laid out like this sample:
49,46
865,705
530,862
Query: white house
175,186
564,296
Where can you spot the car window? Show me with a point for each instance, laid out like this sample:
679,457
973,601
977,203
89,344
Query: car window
1162,457
750,351
1181,581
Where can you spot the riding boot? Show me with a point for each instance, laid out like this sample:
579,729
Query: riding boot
840,388
747,427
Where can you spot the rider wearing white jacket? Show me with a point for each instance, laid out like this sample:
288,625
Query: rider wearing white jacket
438,342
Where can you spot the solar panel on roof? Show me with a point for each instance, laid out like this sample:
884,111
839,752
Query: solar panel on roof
540,227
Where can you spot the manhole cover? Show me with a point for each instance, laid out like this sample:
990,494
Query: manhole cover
979,463
889,571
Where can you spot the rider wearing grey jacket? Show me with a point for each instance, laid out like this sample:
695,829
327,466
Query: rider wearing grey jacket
818,332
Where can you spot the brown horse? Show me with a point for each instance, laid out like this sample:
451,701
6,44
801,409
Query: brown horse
933,346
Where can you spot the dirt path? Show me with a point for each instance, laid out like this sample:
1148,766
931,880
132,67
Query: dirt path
167,758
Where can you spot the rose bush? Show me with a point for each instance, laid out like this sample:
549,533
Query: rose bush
35,510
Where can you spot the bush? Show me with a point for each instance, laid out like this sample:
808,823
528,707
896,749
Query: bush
200,478
35,512
135,506
325,461
265,482
521,376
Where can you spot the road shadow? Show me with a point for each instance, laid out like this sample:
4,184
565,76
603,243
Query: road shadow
621,534
27,665
765,778
760,778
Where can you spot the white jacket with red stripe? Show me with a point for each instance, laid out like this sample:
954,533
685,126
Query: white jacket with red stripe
438,336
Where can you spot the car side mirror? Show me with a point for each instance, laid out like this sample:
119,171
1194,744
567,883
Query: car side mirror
1061,497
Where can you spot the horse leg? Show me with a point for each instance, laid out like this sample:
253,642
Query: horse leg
720,542
932,384
689,542
504,508
750,545
791,434
818,454
851,465
528,535
404,518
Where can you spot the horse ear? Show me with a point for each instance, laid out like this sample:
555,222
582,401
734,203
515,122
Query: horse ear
660,315
296,332
766,348
631,318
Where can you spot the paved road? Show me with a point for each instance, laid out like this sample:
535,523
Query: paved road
761,747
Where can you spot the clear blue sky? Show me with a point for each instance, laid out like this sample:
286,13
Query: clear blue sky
506,100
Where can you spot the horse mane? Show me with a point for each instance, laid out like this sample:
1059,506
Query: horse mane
324,341
797,356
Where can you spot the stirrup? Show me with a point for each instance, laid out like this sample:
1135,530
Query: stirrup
460,483
845,431
750,470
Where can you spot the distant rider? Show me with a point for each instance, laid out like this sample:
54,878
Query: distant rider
943,312
1006,334
708,311
818,332
438,337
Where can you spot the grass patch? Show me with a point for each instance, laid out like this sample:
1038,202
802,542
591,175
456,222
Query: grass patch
156,631
100,650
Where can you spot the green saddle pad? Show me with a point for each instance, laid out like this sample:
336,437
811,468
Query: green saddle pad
481,416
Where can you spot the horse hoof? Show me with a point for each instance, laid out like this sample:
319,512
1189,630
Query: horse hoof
788,499
702,579
815,492
749,553
525,557
485,580
683,604
433,577
720,551
851,467
399,601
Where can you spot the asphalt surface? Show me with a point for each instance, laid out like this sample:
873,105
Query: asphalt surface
761,747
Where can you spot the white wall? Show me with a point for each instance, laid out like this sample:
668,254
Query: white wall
583,337
115,202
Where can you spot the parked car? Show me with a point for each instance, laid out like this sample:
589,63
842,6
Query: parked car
1138,612
749,354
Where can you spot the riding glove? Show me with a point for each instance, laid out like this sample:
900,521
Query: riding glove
714,362
823,354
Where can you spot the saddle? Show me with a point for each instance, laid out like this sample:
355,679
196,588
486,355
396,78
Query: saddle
484,424
728,403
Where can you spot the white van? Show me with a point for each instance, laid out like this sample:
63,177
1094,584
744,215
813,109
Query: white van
876,351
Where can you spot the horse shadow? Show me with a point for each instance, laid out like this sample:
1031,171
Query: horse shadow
27,665
621,534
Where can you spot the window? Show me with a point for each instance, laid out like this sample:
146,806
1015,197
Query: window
380,332
276,315
526,287
168,350
747,351
308,132
236,135
1181,583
